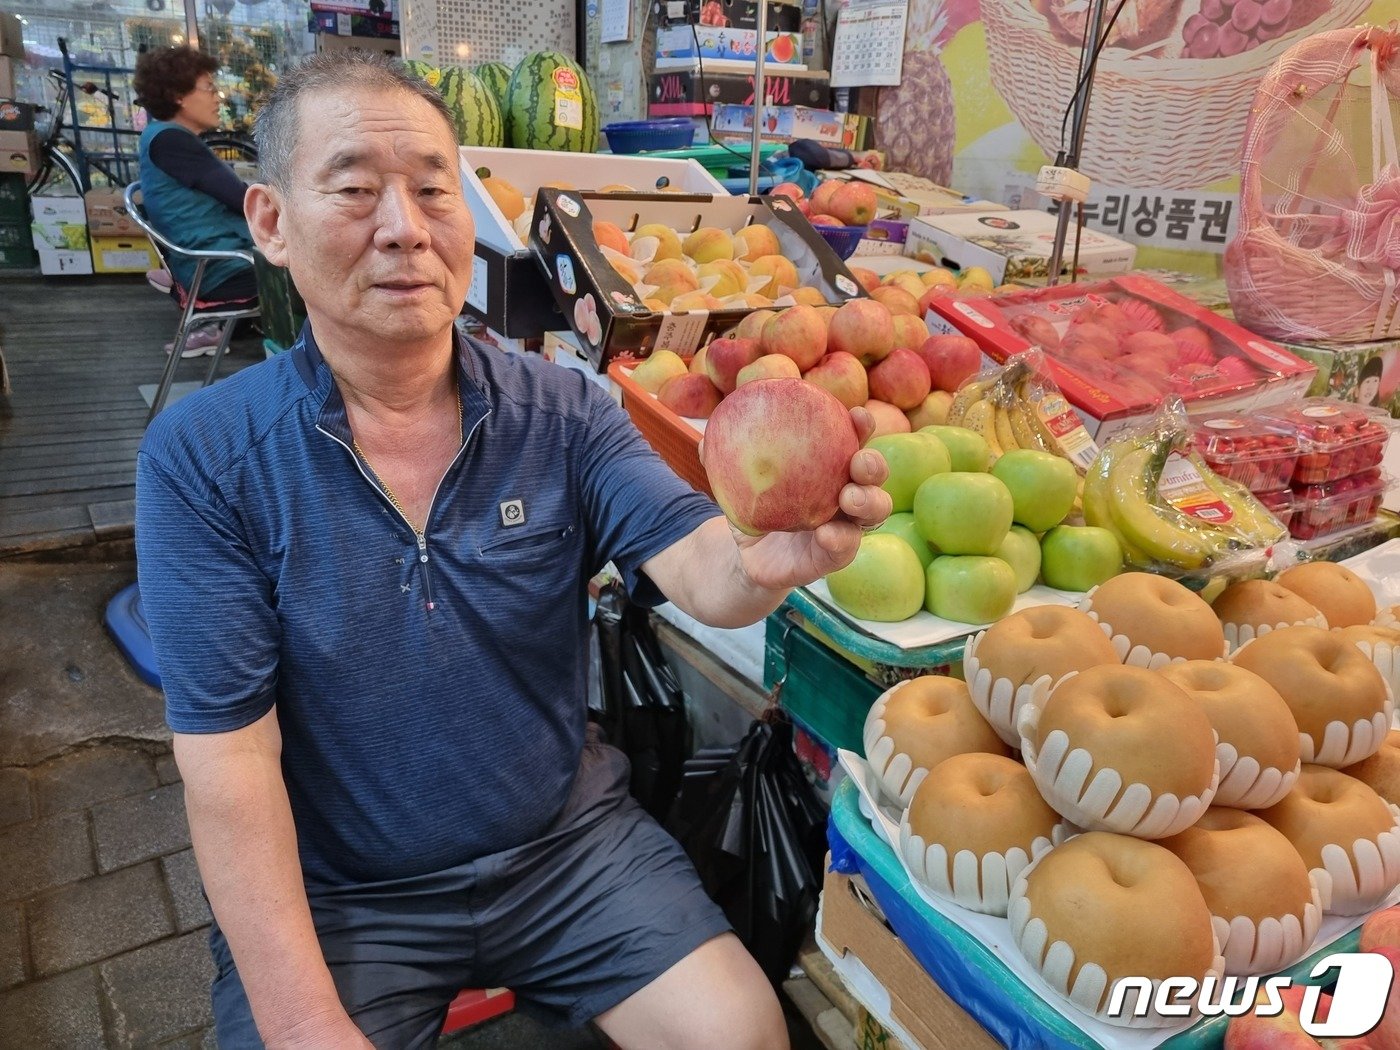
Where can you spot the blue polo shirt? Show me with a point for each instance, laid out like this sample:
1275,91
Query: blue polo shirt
432,699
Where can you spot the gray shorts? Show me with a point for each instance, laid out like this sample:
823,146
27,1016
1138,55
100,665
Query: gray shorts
574,923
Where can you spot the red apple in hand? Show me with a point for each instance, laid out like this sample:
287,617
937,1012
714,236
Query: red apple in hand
951,360
777,454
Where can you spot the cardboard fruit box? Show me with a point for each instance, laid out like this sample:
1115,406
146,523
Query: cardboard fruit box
603,308
507,289
1211,363
1011,245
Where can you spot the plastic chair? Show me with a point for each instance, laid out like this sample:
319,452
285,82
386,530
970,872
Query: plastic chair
193,310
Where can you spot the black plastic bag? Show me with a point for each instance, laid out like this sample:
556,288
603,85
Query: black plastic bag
756,832
643,712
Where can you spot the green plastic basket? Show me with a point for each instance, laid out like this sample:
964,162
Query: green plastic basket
828,695
716,159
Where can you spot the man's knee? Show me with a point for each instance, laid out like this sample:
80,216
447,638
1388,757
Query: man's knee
714,998
753,1023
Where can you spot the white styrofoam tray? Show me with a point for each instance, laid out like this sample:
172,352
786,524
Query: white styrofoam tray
995,933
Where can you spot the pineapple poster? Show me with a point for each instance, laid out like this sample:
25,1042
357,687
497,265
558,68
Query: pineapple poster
985,84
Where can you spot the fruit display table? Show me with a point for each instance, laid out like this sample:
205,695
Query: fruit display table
970,972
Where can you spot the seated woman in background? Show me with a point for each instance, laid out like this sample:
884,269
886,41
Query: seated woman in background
190,195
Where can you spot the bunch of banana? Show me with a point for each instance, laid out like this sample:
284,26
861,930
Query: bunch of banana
996,407
1120,494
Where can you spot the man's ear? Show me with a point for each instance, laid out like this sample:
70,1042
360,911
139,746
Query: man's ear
262,207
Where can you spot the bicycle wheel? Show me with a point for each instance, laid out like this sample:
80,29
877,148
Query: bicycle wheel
57,168
230,147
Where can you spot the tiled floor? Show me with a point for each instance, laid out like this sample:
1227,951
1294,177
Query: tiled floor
102,922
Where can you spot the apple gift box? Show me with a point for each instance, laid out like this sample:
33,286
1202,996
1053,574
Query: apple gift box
1221,366
605,310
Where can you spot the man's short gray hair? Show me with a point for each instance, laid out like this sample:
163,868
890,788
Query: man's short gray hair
275,132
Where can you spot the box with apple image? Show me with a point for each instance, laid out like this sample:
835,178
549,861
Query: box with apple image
1117,347
507,289
604,307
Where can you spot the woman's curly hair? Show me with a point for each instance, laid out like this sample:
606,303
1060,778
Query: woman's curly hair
168,74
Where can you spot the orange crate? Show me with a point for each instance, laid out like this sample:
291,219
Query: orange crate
675,440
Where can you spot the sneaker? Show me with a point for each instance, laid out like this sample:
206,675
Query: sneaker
160,280
200,342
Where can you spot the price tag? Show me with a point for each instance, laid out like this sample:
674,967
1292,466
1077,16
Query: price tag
682,333
476,291
568,100
1182,486
1064,423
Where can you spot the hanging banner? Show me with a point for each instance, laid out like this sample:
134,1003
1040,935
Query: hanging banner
986,84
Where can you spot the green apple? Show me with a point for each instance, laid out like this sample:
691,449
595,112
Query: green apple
1078,557
1021,550
912,459
1043,486
969,450
885,582
904,526
963,513
970,589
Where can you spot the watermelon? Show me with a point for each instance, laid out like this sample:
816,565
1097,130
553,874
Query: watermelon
496,77
547,86
424,71
475,110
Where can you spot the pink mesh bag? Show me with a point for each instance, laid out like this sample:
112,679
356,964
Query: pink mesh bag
1318,248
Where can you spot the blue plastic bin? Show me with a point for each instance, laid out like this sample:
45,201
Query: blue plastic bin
638,136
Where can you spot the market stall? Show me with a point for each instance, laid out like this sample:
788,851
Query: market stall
1111,458
1102,718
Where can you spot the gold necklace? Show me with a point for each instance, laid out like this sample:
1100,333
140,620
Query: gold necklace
355,444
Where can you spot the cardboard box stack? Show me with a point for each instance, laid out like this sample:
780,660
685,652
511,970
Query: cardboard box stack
19,146
704,68
118,245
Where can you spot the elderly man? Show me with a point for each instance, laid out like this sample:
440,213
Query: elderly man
364,565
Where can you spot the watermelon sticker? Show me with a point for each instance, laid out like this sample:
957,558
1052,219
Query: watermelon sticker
568,99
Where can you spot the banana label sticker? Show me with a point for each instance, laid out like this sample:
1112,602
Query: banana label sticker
1182,486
